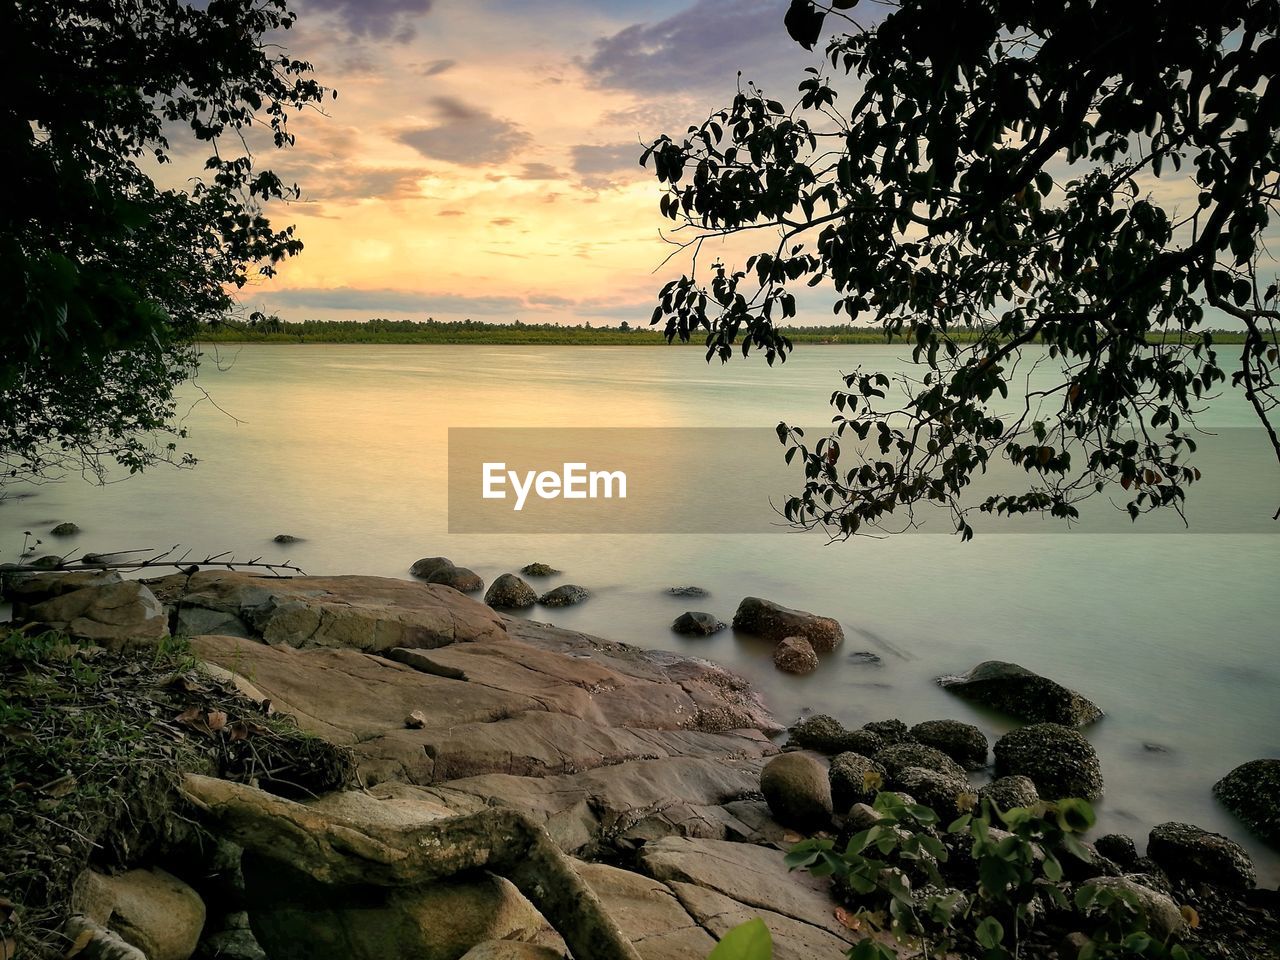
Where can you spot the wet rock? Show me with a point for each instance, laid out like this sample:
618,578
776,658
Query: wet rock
947,795
697,623
889,731
509,592
825,734
795,655
864,656
854,779
462,579
1009,792
47,562
1019,692
898,756
286,538
688,591
962,742
538,570
66,529
150,909
565,595
774,622
118,616
797,790
425,567
1192,853
1058,760
1118,848
1160,915
1252,792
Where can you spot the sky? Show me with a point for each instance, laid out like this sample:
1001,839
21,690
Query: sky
481,159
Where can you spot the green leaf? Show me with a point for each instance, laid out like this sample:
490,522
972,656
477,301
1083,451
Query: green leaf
989,933
746,941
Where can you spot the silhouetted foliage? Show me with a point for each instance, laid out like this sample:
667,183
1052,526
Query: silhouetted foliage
1011,167
109,268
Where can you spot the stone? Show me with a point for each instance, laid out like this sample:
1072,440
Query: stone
462,579
947,795
775,623
688,591
1019,692
118,616
286,538
962,742
898,756
795,655
1189,852
26,589
1010,792
538,570
854,779
509,592
1118,848
1058,760
565,595
1161,917
66,529
697,623
150,909
512,950
648,913
1252,792
889,731
825,734
798,792
428,565
416,720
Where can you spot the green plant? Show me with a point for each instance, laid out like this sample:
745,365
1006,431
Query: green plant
746,941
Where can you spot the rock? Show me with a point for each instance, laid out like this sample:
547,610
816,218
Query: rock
565,595
26,589
539,570
697,623
118,616
286,538
66,529
196,621
797,790
795,655
150,909
962,742
231,943
415,721
1117,848
1252,792
854,779
861,816
1010,792
1019,692
889,731
1058,760
1160,915
825,734
898,756
648,913
1190,853
688,592
511,950
864,656
948,796
775,622
509,592
428,565
462,579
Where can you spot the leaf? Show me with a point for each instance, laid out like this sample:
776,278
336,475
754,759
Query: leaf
217,720
746,941
989,933
804,23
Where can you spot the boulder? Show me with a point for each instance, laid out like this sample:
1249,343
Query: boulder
512,950
898,756
150,909
854,779
697,623
774,622
798,792
948,796
825,734
565,595
1019,692
538,570
795,655
117,616
1009,792
1118,848
428,565
889,731
688,592
286,538
509,592
24,590
962,742
462,579
1160,916
1188,852
648,913
1058,760
1252,792
65,529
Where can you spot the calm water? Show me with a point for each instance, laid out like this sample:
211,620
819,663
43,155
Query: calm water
1175,636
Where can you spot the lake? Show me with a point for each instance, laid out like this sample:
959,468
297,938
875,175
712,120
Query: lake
1173,635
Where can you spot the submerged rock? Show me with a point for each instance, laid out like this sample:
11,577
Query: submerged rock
854,779
1118,848
538,570
1058,760
774,622
795,655
462,579
826,734
1189,852
1252,792
66,529
424,568
509,592
697,623
286,538
1019,692
962,742
689,591
565,595
797,790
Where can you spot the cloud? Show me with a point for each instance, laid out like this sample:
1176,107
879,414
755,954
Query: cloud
605,165
436,67
377,19
450,213
502,221
538,171
468,135
391,300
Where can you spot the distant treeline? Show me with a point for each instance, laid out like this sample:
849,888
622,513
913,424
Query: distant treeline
475,331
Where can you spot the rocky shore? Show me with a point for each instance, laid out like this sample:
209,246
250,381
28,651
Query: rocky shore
516,790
